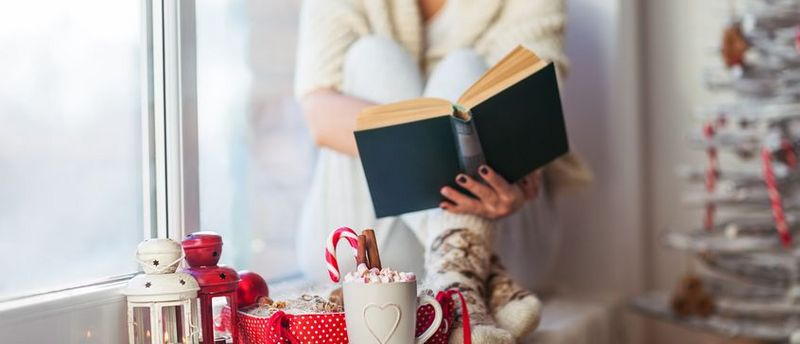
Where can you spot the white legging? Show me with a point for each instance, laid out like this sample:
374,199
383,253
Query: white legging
379,70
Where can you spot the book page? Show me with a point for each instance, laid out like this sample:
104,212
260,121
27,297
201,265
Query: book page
518,64
402,112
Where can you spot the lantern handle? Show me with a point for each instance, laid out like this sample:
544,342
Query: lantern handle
195,332
163,268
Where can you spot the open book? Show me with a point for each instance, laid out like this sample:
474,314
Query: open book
510,119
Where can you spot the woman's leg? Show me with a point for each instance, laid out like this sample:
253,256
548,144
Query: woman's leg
454,74
528,244
458,247
459,250
512,307
379,70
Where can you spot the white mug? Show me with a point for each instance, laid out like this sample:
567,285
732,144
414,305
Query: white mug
386,313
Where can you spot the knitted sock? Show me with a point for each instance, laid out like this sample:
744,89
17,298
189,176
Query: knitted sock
460,258
514,308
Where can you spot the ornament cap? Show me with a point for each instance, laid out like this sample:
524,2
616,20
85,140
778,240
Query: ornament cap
159,256
202,239
202,248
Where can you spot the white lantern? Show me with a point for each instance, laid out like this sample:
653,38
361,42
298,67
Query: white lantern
162,304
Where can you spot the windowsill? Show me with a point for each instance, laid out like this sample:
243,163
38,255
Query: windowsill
88,314
577,318
96,314
26,308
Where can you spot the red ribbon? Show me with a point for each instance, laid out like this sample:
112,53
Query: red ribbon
279,323
464,312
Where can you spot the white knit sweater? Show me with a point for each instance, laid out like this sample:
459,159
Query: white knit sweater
490,27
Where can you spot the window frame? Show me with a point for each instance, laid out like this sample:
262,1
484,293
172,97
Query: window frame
170,168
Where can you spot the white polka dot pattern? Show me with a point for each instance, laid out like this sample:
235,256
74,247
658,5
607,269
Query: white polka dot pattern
323,328
330,328
425,316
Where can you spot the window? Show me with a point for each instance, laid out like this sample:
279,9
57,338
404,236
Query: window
98,150
255,155
72,156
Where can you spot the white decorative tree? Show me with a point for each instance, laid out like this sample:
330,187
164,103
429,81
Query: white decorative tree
745,278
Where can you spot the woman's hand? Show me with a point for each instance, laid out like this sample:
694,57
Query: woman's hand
494,197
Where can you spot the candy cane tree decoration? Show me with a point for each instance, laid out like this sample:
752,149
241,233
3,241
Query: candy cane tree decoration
775,198
330,249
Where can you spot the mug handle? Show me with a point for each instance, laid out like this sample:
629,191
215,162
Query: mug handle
437,318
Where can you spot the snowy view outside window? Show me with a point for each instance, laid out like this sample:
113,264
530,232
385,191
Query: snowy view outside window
255,153
70,142
71,138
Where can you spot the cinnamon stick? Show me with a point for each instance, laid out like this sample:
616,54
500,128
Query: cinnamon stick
361,252
373,256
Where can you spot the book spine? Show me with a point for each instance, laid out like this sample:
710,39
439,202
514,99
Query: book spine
470,154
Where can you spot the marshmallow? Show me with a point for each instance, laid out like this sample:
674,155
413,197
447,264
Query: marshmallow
374,275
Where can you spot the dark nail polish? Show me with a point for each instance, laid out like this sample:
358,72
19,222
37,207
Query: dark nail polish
462,179
483,170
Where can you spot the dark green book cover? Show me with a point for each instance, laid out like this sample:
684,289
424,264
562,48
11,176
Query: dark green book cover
519,130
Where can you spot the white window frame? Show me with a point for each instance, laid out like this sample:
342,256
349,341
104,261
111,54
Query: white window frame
170,178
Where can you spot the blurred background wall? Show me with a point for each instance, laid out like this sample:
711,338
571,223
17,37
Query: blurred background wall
603,225
679,40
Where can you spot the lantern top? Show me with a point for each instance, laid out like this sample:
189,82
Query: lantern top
158,245
158,256
215,279
202,239
161,287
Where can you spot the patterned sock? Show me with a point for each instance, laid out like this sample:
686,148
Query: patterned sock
460,258
514,308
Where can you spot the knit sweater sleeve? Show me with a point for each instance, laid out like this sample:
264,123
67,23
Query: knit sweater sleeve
327,29
538,25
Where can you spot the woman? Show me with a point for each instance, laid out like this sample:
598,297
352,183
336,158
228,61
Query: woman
357,53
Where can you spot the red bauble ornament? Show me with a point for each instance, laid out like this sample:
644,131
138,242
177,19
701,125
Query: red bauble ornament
251,287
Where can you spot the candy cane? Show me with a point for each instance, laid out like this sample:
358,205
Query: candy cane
775,200
330,250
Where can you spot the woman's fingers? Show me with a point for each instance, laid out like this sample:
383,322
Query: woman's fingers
459,202
493,199
497,182
458,198
480,190
450,207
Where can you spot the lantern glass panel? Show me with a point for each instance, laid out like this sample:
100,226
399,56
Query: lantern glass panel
172,325
219,303
196,317
141,325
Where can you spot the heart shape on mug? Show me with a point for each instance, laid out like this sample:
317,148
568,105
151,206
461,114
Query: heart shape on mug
385,308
